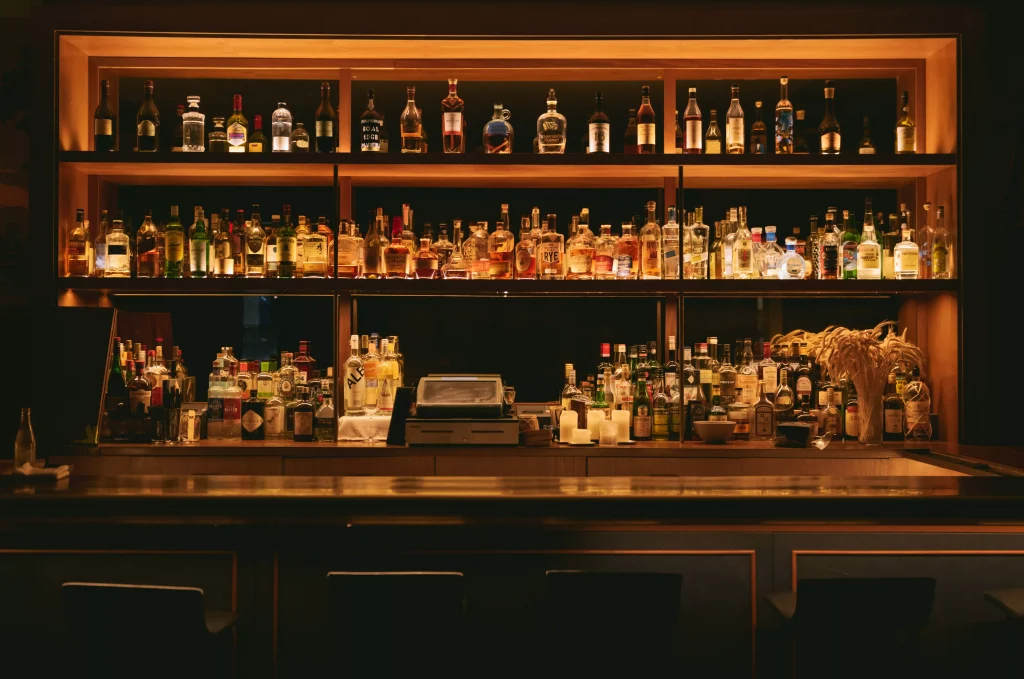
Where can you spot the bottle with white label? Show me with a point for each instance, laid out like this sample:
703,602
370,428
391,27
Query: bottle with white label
735,139
713,137
906,137
646,130
238,128
693,135
199,247
670,246
147,122
905,256
452,110
828,131
892,412
917,406
281,129
599,128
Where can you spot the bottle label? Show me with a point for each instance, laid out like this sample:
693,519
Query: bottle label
325,128
244,384
645,134
274,417
705,376
794,266
918,413
850,256
237,135
214,410
287,249
734,133
370,135
76,249
743,259
694,138
398,262
906,140
174,246
223,250
551,258
604,264
894,421
713,147
314,251
660,422
303,424
581,263
198,250
302,143
526,263
232,409
251,421
272,256
866,150
452,122
641,423
830,259
717,417
940,259
623,265
867,258
671,260
771,381
147,129
830,142
599,138
255,147
140,397
763,422
651,257
803,386
852,421
282,143
748,383
905,261
103,127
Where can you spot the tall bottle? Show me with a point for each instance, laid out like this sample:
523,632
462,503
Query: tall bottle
281,129
866,146
147,122
355,384
287,247
551,128
104,121
646,128
650,246
453,112
412,124
942,256
828,249
148,264
849,241
76,248
598,128
743,245
784,120
199,247
758,133
174,246
713,137
869,252
237,127
325,121
642,415
670,246
255,247
735,127
373,248
370,125
906,137
828,131
693,142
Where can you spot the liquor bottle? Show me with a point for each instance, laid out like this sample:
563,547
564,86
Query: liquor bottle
582,248
831,418
76,248
650,246
769,259
199,247
525,251
118,257
425,264
735,128
784,397
869,266
411,124
693,142
715,367
569,391
696,244
237,127
671,367
784,120
274,417
550,250
148,257
302,428
905,256
500,249
443,247
253,422
746,374
324,421
670,246
281,129
828,248
828,131
713,138
762,415
646,129
355,384
397,257
851,419
287,247
696,406
174,246
178,133
140,391
498,134
604,254
743,245
923,238
373,248
456,267
679,139
193,126
147,122
642,415
659,410
325,121
717,413
768,373
892,411
452,112
804,384
273,262
255,247
551,128
849,243
726,377
866,146
218,137
220,249
942,257
300,139
314,250
104,122
800,134
906,137
758,133
258,140
805,416
631,142
599,129
917,406
627,254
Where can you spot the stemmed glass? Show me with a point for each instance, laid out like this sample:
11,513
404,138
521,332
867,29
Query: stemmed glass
371,410
509,396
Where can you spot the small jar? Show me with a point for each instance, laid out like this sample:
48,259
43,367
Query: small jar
300,139
740,414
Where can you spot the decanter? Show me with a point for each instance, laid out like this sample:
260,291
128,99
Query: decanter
551,128
498,135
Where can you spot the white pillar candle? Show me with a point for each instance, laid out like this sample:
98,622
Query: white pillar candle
595,418
609,433
566,425
580,436
621,420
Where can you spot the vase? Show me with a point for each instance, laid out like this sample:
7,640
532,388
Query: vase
869,413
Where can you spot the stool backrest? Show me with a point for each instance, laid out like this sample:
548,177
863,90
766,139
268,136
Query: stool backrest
864,604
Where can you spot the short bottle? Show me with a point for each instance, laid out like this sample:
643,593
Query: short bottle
551,128
426,263
193,125
253,418
300,139
325,424
906,137
713,137
258,140
905,256
118,264
302,430
717,413
411,124
281,129
218,137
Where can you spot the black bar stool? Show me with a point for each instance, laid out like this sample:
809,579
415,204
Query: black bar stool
147,630
846,627
607,624
397,623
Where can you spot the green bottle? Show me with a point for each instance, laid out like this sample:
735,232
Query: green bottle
641,412
287,247
174,246
199,247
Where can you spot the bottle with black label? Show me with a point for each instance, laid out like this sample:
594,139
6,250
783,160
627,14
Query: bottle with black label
324,421
325,121
104,121
253,420
304,416
147,122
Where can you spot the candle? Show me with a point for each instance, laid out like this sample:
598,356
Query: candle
621,420
595,418
580,436
609,433
566,425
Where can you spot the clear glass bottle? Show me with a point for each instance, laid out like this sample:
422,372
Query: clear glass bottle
442,247
147,122
273,409
697,245
218,137
923,238
223,261
498,134
743,244
906,136
660,409
831,418
237,128
604,254
693,137
551,251
99,249
770,258
551,128
828,131
582,248
501,249
526,252
627,254
355,383
599,128
792,266
255,247
425,264
456,267
314,251
300,139
670,246
785,399
76,248
199,247
713,137
412,124
650,246
475,250
193,126
735,126
866,146
784,120
869,252
758,132
118,264
454,124
273,262
906,257
281,129
917,408
373,247
941,247
148,264
646,125
349,252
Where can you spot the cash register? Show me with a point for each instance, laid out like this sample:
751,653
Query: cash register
466,410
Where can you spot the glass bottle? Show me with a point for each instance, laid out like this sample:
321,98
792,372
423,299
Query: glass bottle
551,251
442,247
599,128
646,128
866,146
770,257
923,238
831,418
805,416
453,115
99,250
828,249
397,257
475,249
281,129
373,248
300,139
273,263
641,412
851,410
800,134
314,249
743,245
693,141
325,423
650,246
892,411
371,127
425,264
118,264
500,249
348,252
303,413
582,248
253,418
258,140
758,133
631,145
223,264
174,246
498,134
287,247
147,122
784,397
768,373
25,441
355,384
411,124
697,243
906,137
76,263
456,267
726,377
551,128
237,127
526,252
784,120
325,118
218,137
849,242
627,254
199,247
869,252
735,127
917,406
104,122
713,137
148,264
717,413
679,140
670,246
906,258
604,254
255,247
660,409
264,381
385,138
193,127
941,247
273,410
828,131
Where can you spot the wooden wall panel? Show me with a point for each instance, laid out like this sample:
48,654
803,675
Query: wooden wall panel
74,124
941,105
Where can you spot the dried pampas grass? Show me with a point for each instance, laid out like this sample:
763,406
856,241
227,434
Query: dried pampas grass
867,354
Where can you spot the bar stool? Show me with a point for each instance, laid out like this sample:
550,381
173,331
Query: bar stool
607,624
397,623
147,630
846,627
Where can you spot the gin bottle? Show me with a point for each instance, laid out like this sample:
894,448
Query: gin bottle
869,252
650,246
412,124
784,120
551,128
193,125
670,246
281,129
905,257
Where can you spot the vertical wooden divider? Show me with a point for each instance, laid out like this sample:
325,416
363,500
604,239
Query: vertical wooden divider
668,111
345,110
342,330
73,99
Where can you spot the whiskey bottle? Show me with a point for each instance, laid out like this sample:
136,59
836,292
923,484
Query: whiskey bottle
281,129
218,137
849,241
526,251
713,137
646,130
255,247
627,254
258,140
892,411
452,111
324,421
784,120
551,251
456,267
411,124
174,246
287,247
694,135
599,128
828,131
425,263
76,248
851,417
501,248
397,258
198,247
866,146
906,138
735,128
147,122
670,246
631,138
800,134
784,397
147,256
642,415
551,128
758,133
325,121
104,122
917,406
237,127
582,249
118,264
300,139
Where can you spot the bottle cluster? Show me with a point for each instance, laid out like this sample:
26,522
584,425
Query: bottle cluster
373,372
232,134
